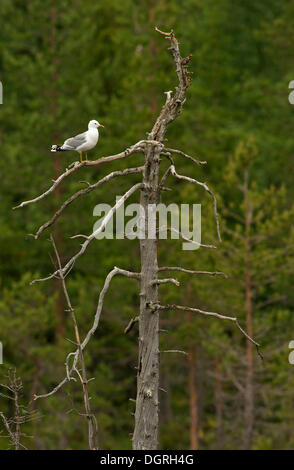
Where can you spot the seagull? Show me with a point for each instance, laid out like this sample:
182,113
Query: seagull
81,142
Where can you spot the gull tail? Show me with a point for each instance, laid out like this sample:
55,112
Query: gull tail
57,148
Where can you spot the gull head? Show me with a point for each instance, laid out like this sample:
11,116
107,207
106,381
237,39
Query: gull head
94,124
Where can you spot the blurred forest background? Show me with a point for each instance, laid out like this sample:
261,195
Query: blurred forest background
66,62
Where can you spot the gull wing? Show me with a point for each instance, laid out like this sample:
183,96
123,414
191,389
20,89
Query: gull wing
73,142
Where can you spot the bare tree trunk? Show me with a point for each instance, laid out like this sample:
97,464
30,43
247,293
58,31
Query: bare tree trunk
146,429
219,405
249,391
193,398
147,408
147,405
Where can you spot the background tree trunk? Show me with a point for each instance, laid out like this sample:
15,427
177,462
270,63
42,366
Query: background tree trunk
193,398
219,405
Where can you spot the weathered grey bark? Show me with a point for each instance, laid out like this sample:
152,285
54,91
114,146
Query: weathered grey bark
147,407
145,435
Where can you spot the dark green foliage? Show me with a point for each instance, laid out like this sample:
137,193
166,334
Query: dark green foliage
65,62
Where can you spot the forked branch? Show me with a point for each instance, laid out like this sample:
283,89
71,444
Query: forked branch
204,185
91,237
71,370
91,420
82,192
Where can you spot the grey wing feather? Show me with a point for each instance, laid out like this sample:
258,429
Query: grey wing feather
73,142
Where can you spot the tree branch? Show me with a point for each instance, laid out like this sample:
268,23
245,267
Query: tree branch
92,423
164,177
158,306
175,351
183,154
204,185
89,238
138,147
82,192
189,271
7,426
158,282
114,272
20,414
131,324
171,229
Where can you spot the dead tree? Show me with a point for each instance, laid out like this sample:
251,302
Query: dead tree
145,434
21,415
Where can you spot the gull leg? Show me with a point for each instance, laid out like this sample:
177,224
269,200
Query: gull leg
81,157
86,156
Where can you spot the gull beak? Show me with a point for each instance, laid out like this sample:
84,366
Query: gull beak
101,125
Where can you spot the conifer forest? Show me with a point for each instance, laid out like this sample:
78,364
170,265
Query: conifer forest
146,278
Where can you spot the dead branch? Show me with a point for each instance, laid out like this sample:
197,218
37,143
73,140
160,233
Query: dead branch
20,415
82,192
175,351
92,423
158,306
130,325
114,272
171,229
183,154
164,177
7,426
204,185
136,148
192,309
189,271
91,237
158,282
